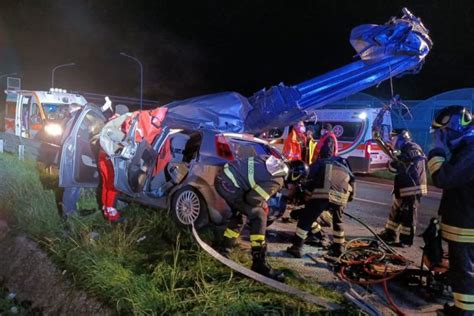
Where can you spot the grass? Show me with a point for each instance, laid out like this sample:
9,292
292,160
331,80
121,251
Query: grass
145,266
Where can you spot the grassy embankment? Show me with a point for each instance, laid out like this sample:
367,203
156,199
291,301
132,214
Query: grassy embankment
145,266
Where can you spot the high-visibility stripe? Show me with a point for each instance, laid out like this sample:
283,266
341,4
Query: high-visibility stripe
338,233
257,240
229,175
338,197
315,227
301,233
435,163
229,233
457,238
338,240
405,230
457,230
419,189
391,225
255,186
468,298
464,306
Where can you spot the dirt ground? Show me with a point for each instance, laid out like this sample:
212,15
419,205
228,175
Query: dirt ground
27,271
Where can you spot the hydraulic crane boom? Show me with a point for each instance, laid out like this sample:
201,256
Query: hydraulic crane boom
393,49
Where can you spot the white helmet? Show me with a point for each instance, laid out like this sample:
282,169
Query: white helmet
276,167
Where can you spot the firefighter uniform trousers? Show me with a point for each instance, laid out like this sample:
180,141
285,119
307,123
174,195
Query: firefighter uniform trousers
330,188
256,216
403,217
312,210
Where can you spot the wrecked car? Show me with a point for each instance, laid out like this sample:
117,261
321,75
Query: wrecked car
179,179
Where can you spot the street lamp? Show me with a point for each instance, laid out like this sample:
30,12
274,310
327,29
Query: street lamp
57,67
141,77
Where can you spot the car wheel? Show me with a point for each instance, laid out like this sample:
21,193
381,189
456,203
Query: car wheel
188,206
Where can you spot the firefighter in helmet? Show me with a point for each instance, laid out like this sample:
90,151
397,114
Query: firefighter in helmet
408,188
329,186
453,129
246,185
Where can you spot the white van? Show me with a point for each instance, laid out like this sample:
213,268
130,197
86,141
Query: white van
353,129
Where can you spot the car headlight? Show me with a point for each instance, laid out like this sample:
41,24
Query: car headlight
53,129
363,115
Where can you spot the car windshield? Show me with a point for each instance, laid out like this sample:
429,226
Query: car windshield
55,111
244,149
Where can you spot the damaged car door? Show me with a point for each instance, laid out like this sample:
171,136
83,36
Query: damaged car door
134,165
78,164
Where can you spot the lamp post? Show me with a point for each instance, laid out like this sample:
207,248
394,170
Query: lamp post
141,77
57,67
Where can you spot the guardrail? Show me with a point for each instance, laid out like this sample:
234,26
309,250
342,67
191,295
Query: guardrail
28,149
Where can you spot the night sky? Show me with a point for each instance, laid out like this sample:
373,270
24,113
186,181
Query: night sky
190,48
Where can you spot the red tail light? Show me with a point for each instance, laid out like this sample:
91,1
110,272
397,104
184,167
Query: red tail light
223,148
368,149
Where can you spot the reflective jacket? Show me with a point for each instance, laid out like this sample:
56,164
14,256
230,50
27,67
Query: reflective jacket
251,176
293,146
456,177
410,171
330,179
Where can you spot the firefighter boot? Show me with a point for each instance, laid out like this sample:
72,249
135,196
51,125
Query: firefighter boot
260,264
296,249
226,246
451,310
317,239
388,235
335,250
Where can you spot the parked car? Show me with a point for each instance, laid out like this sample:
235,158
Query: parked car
184,186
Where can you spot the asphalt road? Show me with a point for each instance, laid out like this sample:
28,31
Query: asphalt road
372,205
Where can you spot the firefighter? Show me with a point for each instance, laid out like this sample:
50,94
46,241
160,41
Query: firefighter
327,145
329,186
246,185
453,129
316,236
408,188
295,143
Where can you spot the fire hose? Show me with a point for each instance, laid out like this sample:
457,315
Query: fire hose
369,261
327,304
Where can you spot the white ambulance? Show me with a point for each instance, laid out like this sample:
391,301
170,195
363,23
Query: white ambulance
353,129
30,114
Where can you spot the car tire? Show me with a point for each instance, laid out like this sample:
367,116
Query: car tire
188,207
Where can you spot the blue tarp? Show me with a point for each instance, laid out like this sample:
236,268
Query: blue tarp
393,49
